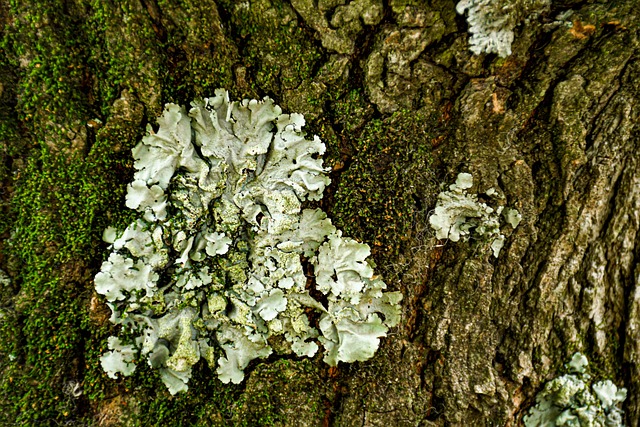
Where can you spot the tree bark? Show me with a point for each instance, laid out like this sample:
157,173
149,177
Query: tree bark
403,106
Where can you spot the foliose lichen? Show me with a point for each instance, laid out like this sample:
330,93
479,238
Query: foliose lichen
459,215
224,258
492,22
575,400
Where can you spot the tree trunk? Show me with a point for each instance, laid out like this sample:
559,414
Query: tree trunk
403,106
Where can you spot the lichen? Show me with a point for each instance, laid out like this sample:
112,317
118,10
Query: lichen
492,22
215,267
459,215
576,400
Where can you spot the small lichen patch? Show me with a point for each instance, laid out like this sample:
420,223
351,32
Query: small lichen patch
492,22
576,400
459,215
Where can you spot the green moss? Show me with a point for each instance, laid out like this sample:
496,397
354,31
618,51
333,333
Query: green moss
380,192
278,53
123,56
207,403
283,393
59,210
159,60
41,44
202,58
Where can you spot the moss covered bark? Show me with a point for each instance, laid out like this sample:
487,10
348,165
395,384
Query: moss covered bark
403,106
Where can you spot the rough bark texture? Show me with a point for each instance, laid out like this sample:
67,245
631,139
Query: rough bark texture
403,106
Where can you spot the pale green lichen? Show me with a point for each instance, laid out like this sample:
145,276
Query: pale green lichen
578,363
119,359
459,215
216,265
512,216
574,400
492,22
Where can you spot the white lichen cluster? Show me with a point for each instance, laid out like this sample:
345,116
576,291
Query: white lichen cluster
573,400
459,215
492,22
224,259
